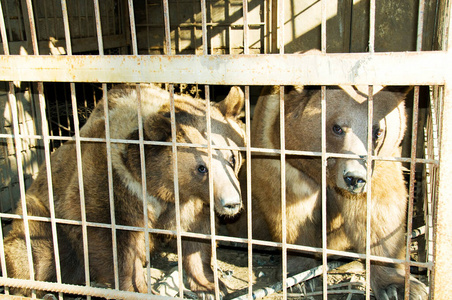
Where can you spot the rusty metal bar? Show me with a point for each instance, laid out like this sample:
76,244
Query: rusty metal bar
308,69
411,189
442,283
79,290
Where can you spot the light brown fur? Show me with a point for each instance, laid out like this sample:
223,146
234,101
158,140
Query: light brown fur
127,187
346,205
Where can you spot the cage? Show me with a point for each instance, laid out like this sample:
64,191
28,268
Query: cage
61,58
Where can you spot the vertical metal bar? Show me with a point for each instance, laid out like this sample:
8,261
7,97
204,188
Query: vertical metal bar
209,150
246,30
31,19
211,195
248,191
420,25
4,37
324,159
144,186
280,12
110,186
67,32
411,190
133,30
442,287
372,27
18,148
176,188
167,27
47,160
174,153
370,106
281,25
98,27
45,134
323,27
324,212
248,156
204,27
3,32
283,189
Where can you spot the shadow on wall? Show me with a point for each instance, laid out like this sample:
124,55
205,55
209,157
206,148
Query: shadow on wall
347,26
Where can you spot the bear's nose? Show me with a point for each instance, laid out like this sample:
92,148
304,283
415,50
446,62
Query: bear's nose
355,181
232,204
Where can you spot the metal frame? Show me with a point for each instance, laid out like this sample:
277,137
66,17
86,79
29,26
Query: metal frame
412,68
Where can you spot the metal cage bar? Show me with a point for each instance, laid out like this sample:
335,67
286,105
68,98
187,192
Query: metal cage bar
359,68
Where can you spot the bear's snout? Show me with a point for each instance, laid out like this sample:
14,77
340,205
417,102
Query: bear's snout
351,176
355,181
230,205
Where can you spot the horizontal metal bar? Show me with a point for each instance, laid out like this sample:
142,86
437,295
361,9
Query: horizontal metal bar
307,249
269,151
396,68
77,289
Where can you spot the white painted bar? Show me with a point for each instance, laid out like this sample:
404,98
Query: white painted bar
396,68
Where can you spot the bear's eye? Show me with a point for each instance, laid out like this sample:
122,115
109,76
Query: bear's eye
202,169
232,161
378,132
338,130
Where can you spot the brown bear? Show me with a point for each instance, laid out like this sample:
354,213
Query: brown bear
193,181
346,133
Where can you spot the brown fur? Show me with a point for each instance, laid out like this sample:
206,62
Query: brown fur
127,187
346,205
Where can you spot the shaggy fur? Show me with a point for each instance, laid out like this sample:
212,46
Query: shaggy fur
193,173
346,132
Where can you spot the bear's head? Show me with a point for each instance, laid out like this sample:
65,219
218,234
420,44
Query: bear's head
194,168
346,130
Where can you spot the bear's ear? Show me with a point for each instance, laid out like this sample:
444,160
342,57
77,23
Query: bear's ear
232,105
158,127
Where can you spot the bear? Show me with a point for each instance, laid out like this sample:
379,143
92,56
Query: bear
346,178
127,163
